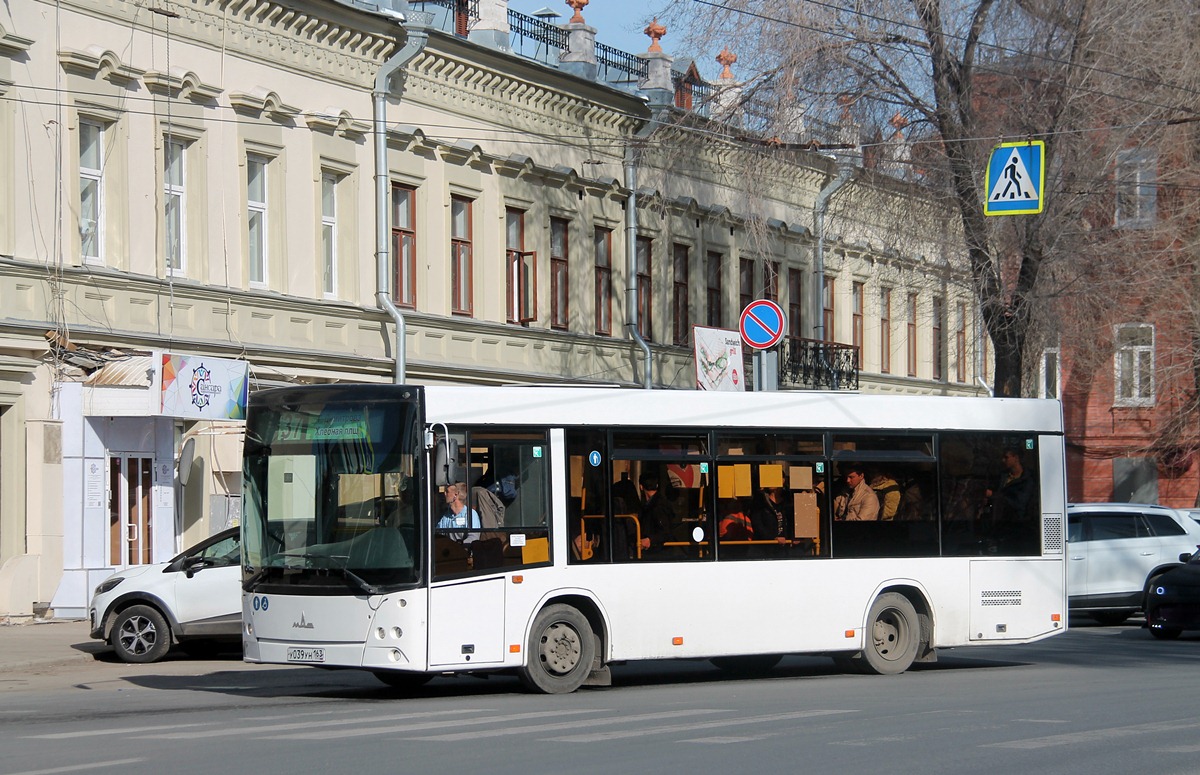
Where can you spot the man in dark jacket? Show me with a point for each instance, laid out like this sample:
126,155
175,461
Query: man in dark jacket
655,515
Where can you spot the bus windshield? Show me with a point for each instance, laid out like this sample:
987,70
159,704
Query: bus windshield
332,498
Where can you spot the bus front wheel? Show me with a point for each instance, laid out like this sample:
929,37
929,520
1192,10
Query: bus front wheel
561,650
893,635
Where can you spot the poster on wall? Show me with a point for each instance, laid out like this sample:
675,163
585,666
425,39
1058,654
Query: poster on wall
718,359
203,388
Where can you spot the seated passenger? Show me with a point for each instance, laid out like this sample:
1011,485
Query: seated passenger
734,524
887,490
859,503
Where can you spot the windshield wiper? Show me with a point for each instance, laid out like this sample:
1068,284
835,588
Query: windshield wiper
349,575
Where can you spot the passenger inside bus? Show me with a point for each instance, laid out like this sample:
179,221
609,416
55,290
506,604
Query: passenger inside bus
655,515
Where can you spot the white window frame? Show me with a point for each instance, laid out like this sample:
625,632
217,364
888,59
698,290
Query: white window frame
176,192
257,270
329,234
1046,373
1133,368
92,176
1137,189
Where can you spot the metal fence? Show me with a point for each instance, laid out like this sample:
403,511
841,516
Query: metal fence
810,364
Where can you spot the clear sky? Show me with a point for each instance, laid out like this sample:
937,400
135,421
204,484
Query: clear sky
618,23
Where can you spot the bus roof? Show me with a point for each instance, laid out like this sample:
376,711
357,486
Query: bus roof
570,406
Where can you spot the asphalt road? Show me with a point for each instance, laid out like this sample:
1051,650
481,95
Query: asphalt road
1095,700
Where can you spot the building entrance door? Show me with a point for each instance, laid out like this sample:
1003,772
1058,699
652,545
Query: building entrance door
130,486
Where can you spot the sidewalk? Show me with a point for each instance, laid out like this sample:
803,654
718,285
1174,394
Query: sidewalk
43,642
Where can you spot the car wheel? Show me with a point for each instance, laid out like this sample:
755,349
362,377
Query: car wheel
140,634
403,682
751,664
561,650
893,636
1109,618
1162,632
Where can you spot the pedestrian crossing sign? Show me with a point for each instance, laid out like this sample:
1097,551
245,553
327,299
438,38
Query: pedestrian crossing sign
1015,176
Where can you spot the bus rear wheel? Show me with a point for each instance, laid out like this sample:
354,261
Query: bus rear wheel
561,650
893,636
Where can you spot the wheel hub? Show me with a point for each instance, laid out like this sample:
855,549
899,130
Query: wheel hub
560,648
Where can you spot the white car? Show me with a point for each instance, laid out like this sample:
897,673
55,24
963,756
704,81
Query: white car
1115,550
193,600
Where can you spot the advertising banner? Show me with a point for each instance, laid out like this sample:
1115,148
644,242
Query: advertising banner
203,388
718,359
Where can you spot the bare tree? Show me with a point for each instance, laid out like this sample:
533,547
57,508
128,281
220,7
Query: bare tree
1090,77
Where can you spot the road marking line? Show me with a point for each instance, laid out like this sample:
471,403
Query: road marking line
125,731
1094,735
403,731
599,737
258,730
78,767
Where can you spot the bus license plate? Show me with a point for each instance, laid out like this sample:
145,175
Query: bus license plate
305,655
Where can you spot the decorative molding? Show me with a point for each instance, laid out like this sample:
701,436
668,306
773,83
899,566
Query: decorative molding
332,121
11,44
181,85
261,101
97,62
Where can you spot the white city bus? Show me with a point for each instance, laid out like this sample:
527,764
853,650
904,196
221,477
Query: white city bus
752,547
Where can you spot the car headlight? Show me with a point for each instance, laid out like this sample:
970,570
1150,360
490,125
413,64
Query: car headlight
108,584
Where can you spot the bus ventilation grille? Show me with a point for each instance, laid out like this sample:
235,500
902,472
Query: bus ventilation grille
1001,597
1052,534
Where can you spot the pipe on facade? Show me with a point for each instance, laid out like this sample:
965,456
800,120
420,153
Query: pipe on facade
845,170
417,35
631,307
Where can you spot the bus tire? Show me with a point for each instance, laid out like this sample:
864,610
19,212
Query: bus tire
893,635
561,650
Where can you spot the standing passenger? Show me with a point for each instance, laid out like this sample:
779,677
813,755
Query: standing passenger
655,515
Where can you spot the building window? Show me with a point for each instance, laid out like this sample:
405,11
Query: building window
960,344
329,234
1135,365
1137,188
404,245
461,281
771,280
560,286
679,261
745,283
256,217
91,191
645,294
521,275
885,331
856,302
795,302
174,205
602,243
1050,374
712,273
827,311
912,334
938,339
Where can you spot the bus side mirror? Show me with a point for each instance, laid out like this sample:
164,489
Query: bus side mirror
446,466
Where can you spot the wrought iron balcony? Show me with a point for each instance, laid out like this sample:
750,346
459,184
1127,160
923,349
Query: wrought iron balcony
810,364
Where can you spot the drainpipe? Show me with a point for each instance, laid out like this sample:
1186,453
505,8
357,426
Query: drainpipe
631,310
416,38
845,170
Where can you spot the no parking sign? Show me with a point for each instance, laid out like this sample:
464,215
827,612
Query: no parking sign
762,324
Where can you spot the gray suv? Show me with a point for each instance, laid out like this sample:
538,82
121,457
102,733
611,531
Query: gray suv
1116,549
